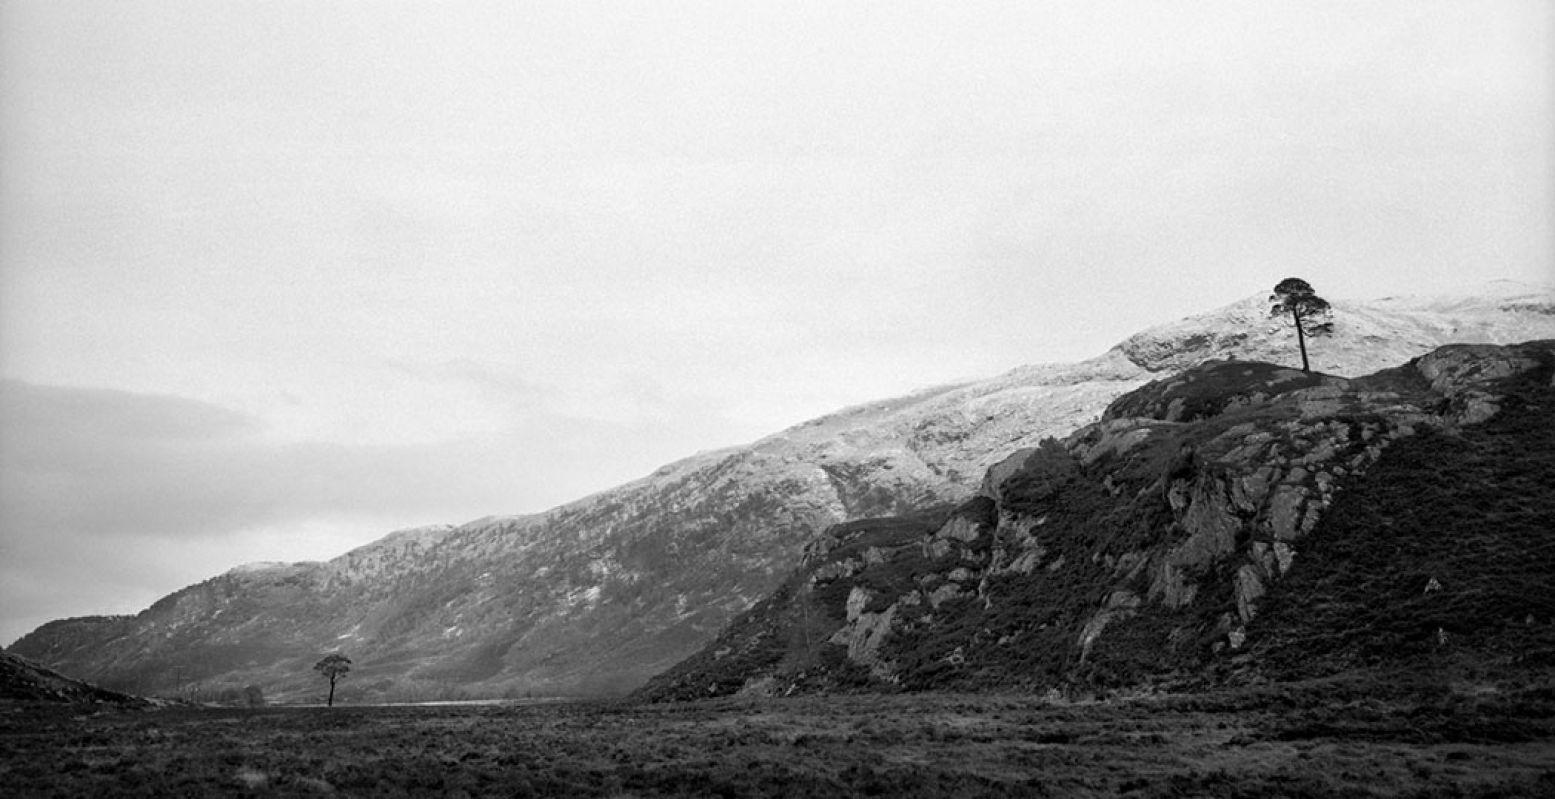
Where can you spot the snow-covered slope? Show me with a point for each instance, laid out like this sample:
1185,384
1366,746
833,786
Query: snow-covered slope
599,594
1366,334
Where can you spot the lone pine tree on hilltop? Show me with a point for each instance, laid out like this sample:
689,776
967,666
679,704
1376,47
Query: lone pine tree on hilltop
1308,312
332,667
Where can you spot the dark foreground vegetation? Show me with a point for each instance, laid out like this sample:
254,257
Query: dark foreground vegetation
1405,735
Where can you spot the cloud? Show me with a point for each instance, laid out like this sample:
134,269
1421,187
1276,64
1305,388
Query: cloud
117,415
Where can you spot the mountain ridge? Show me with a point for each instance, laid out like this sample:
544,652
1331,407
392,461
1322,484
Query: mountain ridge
597,595
1143,547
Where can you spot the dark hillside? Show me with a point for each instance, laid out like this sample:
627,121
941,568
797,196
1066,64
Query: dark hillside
21,680
1445,547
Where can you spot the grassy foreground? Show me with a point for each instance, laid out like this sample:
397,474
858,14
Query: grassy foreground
1328,738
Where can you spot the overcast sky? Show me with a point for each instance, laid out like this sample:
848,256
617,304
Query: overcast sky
278,277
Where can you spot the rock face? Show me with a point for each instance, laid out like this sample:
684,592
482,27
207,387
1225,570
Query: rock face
595,596
1140,545
1442,553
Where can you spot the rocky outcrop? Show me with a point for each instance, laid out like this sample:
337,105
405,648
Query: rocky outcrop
1464,373
1141,543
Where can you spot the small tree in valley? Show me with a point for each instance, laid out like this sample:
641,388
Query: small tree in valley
1309,313
333,667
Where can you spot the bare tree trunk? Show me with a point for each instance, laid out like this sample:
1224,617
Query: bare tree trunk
331,700
1301,341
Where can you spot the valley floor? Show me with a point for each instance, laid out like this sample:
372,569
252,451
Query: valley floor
1306,740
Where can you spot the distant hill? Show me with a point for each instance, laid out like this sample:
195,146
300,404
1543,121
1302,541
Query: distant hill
1236,521
598,595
